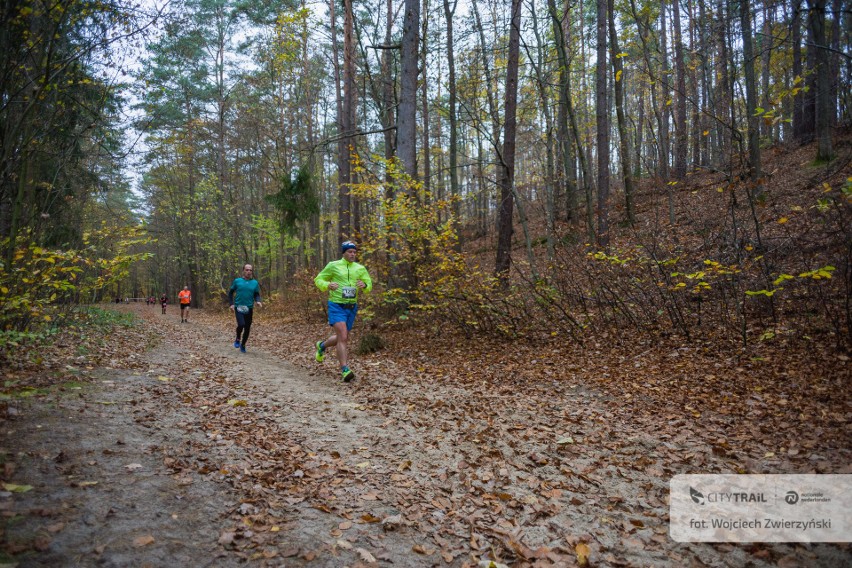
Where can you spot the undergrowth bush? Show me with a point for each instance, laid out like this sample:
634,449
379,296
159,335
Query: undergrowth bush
40,285
742,270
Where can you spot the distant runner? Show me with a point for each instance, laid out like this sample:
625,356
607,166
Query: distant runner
242,296
343,279
164,301
185,297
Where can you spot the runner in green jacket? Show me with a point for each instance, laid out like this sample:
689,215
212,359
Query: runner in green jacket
344,280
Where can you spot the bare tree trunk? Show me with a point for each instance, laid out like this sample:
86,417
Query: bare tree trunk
835,56
706,87
681,140
796,48
809,103
602,123
506,177
427,164
723,89
312,229
695,87
585,144
640,132
753,121
454,134
538,63
569,171
388,96
193,265
664,113
343,219
406,132
489,82
349,105
623,136
824,104
765,49
482,210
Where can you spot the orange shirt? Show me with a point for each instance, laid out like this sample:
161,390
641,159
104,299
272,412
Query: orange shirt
184,296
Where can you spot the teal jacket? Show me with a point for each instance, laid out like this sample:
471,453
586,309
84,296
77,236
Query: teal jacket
346,274
244,292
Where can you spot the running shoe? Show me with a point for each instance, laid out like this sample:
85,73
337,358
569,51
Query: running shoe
348,375
237,344
242,348
320,355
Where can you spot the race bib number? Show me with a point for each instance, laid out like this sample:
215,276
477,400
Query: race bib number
348,292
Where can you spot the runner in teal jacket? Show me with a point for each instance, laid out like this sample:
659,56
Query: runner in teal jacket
242,296
344,280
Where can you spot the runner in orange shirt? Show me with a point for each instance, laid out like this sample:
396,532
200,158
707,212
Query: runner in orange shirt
185,297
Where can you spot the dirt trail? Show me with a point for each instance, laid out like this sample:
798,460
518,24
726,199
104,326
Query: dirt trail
209,457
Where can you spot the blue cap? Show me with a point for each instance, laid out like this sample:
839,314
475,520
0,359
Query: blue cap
347,245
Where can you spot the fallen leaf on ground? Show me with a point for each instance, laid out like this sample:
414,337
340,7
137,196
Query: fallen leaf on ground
420,549
14,488
140,541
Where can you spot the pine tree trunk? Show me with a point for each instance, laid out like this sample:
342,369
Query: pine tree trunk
765,49
681,139
623,136
824,105
489,82
538,64
663,166
752,121
796,48
640,134
388,97
809,101
406,132
342,146
723,90
349,105
424,100
506,177
454,135
569,171
602,123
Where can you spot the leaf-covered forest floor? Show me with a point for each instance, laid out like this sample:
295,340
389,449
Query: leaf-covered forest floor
159,444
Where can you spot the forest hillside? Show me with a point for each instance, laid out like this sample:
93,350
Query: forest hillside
485,426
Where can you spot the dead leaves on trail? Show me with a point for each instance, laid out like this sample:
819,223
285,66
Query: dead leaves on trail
516,455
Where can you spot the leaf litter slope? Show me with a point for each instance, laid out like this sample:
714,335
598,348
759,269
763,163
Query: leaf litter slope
433,456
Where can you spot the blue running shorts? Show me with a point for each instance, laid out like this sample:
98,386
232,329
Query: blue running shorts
342,312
